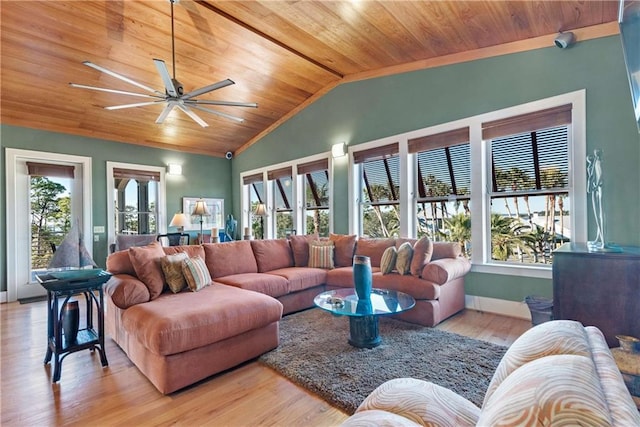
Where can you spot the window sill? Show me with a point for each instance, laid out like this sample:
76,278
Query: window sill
540,272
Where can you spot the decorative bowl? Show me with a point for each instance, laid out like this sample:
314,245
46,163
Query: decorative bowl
630,344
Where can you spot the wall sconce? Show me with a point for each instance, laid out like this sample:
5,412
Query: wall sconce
179,220
261,211
338,150
201,209
174,169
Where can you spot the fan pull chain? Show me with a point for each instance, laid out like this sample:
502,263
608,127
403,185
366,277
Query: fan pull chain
173,42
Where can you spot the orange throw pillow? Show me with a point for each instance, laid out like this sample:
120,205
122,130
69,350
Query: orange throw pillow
344,247
422,252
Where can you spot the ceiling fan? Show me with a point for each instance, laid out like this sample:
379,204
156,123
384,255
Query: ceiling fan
174,95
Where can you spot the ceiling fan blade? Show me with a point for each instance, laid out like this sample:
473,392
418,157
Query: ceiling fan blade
139,104
218,113
225,103
193,115
121,92
121,77
165,112
166,77
205,89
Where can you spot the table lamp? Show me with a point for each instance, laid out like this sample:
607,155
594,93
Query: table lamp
202,210
261,211
179,220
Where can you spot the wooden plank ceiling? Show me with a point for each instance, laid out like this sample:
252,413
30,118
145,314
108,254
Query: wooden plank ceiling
280,54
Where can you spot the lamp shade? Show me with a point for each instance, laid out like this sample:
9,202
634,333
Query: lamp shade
179,220
200,208
261,210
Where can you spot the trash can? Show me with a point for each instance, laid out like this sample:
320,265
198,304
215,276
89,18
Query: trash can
541,309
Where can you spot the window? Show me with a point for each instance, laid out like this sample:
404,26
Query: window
379,193
444,186
281,179
505,184
136,199
529,193
255,188
315,176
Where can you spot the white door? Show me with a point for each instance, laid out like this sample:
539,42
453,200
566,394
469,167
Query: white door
44,205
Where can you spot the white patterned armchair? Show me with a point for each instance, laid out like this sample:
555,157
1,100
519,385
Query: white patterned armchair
558,372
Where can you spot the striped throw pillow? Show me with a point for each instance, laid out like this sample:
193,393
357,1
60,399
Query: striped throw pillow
388,261
196,273
321,254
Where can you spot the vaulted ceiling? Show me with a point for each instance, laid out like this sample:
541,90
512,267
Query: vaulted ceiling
281,55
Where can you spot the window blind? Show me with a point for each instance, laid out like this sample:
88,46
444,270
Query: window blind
48,169
252,179
138,175
315,166
551,117
439,140
376,153
279,173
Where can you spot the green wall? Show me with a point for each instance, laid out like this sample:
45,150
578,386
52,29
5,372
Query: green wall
371,109
202,176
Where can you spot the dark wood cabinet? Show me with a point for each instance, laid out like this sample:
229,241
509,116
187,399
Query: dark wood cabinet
598,288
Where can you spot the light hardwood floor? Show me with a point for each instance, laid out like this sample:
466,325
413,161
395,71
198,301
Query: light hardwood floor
87,394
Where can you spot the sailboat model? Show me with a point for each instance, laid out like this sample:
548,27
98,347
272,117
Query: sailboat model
72,258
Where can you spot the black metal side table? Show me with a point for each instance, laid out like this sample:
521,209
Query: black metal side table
65,284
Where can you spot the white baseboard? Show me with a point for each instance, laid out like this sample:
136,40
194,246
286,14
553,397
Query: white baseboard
3,297
498,306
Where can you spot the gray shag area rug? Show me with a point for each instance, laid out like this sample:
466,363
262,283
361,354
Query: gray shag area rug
315,354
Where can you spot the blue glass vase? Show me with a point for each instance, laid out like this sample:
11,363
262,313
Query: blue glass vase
362,276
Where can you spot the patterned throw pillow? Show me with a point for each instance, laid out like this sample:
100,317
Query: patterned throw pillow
196,273
321,254
403,260
172,269
388,261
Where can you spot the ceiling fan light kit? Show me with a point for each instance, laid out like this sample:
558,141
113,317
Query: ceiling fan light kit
174,95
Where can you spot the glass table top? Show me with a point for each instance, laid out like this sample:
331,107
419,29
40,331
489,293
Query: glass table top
345,302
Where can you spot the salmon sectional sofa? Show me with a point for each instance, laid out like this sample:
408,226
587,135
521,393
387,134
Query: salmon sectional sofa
178,338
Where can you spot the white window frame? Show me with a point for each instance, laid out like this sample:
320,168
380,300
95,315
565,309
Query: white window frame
161,221
297,203
480,180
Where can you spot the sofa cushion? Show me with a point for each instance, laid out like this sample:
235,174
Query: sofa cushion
146,263
192,251
120,263
388,261
409,284
196,273
300,278
422,251
300,248
321,254
345,246
446,250
403,259
373,248
126,290
272,254
401,240
342,277
215,313
225,259
268,284
172,269
561,387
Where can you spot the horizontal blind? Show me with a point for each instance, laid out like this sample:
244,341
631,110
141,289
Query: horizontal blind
252,179
551,117
439,140
48,169
445,171
376,153
138,175
315,166
279,173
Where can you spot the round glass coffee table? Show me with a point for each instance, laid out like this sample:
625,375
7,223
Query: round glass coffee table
363,314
